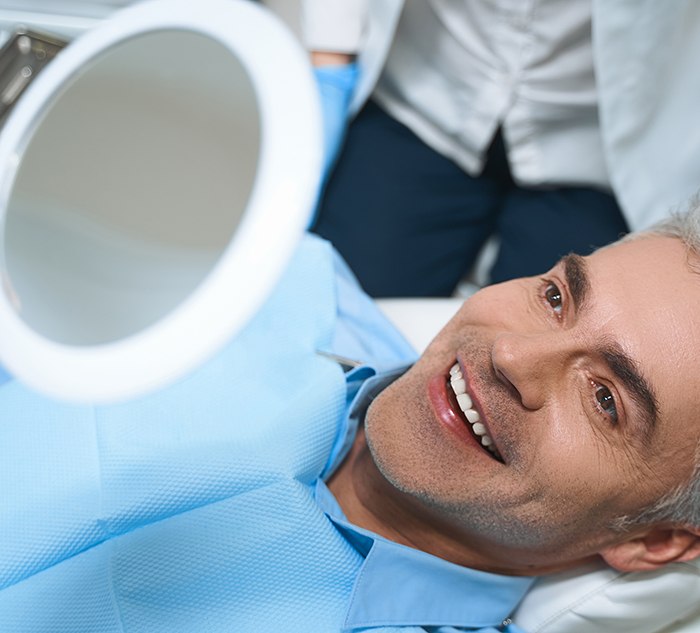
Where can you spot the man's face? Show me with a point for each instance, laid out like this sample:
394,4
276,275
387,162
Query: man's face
585,379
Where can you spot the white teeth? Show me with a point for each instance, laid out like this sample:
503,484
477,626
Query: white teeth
479,428
459,386
465,402
472,416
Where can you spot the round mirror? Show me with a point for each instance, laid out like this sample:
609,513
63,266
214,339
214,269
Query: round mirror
161,170
131,187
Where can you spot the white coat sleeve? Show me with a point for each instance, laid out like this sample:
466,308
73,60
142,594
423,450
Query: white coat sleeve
333,25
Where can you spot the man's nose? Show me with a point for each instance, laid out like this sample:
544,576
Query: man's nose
530,365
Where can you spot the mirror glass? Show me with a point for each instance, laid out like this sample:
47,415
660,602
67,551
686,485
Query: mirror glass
130,187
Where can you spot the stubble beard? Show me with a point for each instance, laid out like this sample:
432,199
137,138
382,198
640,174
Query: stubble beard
433,484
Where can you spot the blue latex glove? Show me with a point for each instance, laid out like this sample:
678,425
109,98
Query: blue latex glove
336,85
4,376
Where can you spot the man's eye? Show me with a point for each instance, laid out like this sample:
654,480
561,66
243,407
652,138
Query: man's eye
607,402
552,295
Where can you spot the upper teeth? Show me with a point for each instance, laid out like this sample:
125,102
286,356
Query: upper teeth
459,386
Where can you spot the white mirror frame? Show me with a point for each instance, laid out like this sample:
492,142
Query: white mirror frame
279,208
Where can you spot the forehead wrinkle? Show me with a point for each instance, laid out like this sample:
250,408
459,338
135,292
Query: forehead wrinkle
630,375
577,278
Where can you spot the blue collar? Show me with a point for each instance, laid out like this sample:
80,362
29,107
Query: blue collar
401,586
363,386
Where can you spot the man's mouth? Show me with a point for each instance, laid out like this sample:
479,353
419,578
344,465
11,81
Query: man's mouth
470,415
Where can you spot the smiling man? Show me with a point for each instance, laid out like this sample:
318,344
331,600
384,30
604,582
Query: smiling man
554,419
552,422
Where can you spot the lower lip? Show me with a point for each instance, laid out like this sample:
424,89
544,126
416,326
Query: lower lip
445,412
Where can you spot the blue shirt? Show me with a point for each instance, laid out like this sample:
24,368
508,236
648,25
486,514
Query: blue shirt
398,585
401,586
196,508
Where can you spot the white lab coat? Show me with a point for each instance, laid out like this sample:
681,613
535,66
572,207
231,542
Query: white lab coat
646,61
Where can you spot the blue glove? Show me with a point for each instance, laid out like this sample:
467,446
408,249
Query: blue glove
336,85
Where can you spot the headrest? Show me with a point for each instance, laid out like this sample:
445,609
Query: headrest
598,598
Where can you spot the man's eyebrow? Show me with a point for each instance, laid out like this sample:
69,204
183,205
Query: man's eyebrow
628,373
577,279
620,363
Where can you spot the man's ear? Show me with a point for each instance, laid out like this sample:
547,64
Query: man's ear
653,549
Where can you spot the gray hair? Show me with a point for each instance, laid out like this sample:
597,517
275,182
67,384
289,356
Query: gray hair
681,505
682,223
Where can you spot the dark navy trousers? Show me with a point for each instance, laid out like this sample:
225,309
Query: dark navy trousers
410,222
